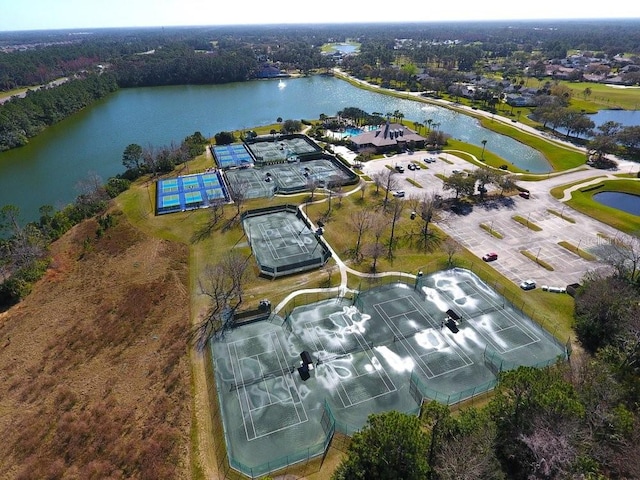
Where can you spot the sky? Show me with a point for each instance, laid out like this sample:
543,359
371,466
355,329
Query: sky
79,14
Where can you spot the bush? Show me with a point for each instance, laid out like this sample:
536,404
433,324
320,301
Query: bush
224,138
115,186
12,291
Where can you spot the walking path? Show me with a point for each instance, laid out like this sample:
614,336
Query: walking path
344,269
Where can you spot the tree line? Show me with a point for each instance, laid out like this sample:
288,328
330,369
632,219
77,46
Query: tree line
446,54
24,248
23,118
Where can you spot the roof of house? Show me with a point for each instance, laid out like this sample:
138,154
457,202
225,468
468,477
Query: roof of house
387,135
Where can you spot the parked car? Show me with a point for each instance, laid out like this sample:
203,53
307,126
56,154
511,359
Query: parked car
528,285
399,169
455,171
398,193
526,195
490,257
411,166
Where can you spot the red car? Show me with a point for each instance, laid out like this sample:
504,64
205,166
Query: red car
490,257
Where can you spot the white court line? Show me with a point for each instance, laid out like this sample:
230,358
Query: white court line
386,380
274,230
515,321
404,342
276,347
282,361
238,393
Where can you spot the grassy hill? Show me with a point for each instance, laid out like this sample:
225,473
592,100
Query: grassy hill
94,365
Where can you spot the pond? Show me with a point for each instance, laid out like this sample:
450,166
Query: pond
345,48
627,202
626,118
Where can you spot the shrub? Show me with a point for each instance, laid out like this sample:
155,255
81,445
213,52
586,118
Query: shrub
115,186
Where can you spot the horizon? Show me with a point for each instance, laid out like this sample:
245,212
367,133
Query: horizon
528,21
42,15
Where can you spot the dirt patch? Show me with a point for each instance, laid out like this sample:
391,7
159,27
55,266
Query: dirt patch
94,366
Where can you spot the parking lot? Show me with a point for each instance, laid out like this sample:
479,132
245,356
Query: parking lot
586,233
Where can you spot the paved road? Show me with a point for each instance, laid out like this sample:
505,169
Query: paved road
586,233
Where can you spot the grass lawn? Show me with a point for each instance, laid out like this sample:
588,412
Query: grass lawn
602,96
582,200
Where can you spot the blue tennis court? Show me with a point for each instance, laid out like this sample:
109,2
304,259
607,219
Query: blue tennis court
189,192
234,155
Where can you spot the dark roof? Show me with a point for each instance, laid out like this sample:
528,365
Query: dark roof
387,135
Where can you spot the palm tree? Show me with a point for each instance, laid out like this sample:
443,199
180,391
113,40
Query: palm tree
429,122
484,144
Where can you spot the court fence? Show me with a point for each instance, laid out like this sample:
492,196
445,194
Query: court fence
338,434
420,391
497,363
311,297
303,462
311,147
274,271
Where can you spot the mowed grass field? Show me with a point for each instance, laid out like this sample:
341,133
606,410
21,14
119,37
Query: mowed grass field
583,201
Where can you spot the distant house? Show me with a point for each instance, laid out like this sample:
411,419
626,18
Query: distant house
390,136
269,70
517,100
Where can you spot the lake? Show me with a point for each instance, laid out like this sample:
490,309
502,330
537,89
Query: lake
48,169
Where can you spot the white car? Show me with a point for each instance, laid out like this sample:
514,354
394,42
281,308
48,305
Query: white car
528,285
398,193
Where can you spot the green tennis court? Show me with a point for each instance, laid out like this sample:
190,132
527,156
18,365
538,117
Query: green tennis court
385,349
282,242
